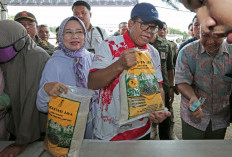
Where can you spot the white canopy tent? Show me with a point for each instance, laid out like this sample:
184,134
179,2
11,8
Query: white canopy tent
4,3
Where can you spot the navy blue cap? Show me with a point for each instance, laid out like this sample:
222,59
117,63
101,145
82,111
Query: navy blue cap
146,12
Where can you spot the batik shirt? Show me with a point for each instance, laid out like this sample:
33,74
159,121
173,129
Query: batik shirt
207,76
108,110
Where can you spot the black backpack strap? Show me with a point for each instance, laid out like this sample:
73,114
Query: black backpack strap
99,30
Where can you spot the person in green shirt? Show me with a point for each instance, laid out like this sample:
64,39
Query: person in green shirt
167,68
29,21
162,32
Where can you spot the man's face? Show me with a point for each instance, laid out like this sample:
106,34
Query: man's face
84,14
190,31
196,28
44,33
140,37
30,27
213,15
153,38
123,28
210,43
163,32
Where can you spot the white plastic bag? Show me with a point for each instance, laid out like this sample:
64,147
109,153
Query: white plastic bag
67,117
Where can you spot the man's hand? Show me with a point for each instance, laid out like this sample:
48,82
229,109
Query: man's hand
198,113
103,77
2,107
128,58
176,90
229,38
171,95
159,117
13,150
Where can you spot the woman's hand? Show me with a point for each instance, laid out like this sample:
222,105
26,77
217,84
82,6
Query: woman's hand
54,89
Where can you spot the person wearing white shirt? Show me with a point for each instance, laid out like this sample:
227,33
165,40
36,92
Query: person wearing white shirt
95,35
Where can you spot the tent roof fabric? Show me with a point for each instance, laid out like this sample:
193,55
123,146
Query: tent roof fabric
70,2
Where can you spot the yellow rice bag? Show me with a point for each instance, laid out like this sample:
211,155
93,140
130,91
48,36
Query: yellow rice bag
67,117
139,90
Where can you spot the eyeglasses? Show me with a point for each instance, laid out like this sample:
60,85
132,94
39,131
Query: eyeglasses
145,26
69,33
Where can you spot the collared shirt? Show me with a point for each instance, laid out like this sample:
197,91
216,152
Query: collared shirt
94,38
166,58
206,74
108,112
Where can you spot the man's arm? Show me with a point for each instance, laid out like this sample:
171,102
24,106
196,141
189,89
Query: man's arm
187,91
162,93
171,84
170,70
101,78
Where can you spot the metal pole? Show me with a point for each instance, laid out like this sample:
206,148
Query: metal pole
4,10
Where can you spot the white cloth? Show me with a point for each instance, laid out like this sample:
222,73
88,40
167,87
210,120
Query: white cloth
94,38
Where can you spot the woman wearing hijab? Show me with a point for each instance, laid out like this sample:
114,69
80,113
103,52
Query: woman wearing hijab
69,65
22,62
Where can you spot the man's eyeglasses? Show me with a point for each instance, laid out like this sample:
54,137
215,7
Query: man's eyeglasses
145,26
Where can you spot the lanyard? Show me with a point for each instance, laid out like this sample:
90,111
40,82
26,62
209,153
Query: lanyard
91,38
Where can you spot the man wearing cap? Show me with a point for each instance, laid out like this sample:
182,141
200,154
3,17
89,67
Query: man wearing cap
95,35
29,21
114,55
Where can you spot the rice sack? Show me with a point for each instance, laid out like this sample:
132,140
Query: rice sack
139,90
67,117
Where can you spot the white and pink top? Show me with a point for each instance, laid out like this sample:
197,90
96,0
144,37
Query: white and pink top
108,108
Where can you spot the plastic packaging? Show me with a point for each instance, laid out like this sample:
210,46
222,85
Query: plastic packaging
139,90
67,117
197,104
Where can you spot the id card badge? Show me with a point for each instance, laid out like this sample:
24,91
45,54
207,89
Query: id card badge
92,50
163,55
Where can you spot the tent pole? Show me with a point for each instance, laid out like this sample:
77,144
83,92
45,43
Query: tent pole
3,4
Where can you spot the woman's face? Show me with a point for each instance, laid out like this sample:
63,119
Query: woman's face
73,35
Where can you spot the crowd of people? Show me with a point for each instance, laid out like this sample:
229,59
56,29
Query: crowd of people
32,71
